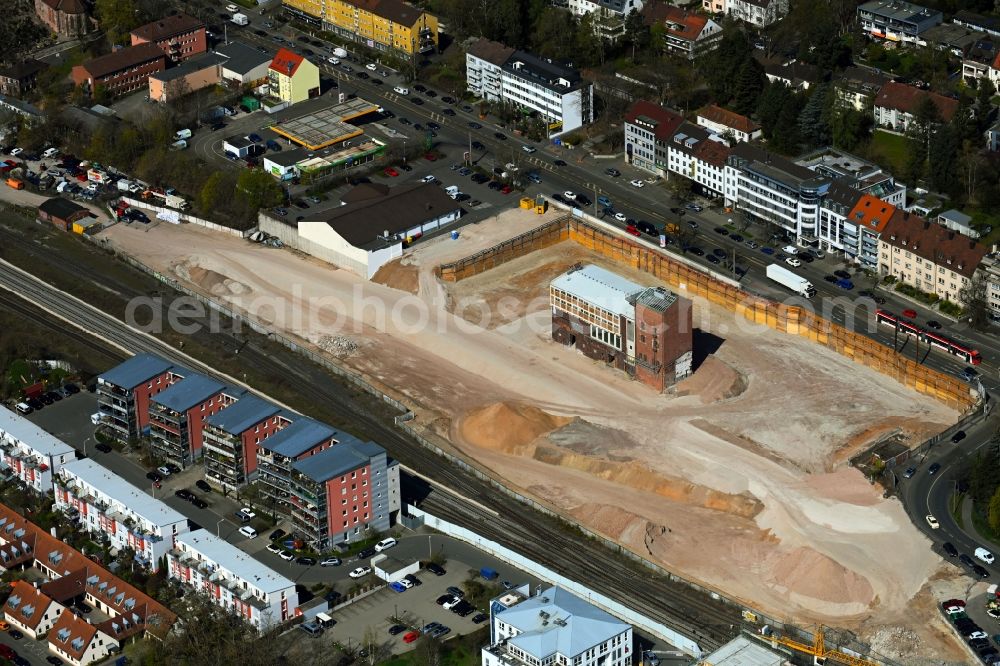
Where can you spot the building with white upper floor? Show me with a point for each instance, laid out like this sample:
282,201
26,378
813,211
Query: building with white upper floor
554,627
233,579
30,453
125,516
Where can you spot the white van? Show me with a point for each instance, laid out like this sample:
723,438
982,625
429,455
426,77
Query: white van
790,249
232,9
24,408
50,153
401,90
248,532
95,418
984,555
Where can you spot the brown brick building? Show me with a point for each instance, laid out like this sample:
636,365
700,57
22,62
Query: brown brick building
66,18
644,331
124,71
180,36
20,78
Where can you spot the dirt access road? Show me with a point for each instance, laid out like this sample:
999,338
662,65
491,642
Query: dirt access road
735,479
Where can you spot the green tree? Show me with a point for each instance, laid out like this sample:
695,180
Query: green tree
588,45
974,298
554,34
942,167
637,33
984,477
850,128
984,104
259,189
214,192
749,85
814,120
117,18
723,66
786,137
769,105
994,512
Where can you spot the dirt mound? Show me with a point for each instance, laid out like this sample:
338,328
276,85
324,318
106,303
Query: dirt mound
713,381
808,573
398,276
211,281
508,426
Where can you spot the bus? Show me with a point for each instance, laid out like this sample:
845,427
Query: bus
937,341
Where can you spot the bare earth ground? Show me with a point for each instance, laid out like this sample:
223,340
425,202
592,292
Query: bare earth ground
735,479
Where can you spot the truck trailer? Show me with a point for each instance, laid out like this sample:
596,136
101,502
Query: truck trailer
786,278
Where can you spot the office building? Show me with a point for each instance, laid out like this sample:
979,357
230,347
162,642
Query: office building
384,25
179,36
29,453
233,579
649,129
119,513
554,627
645,331
896,20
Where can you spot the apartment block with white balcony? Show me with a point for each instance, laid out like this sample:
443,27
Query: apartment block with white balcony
124,391
30,453
896,20
990,274
758,13
554,627
277,454
483,66
233,579
230,438
107,505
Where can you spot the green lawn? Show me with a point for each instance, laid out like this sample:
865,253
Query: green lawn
890,148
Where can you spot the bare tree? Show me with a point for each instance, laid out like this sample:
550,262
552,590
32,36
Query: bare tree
975,299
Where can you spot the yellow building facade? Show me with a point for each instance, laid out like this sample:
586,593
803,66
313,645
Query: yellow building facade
385,25
293,78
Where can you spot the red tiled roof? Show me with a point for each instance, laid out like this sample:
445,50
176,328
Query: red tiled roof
871,212
130,56
68,6
27,596
713,152
67,629
907,98
717,114
934,243
286,62
678,22
666,121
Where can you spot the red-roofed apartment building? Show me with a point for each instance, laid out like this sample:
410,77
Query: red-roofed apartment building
30,610
121,72
897,103
648,128
685,33
179,35
292,78
724,121
928,256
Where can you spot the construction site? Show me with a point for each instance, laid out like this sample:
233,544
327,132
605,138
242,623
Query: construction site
735,478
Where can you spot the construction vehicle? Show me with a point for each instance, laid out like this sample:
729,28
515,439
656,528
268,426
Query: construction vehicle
671,228
818,650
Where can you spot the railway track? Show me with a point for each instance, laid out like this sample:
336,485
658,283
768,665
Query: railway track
515,525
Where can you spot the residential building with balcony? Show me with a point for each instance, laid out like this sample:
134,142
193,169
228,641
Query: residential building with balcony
343,492
687,34
123,394
233,579
30,610
177,416
728,123
928,256
231,436
758,13
856,87
990,270
896,20
383,25
608,15
861,228
179,36
278,453
649,129
30,453
121,72
483,68
554,627
292,78
896,105
121,514
700,156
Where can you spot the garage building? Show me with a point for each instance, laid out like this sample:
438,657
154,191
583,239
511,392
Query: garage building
237,145
371,226
390,569
62,212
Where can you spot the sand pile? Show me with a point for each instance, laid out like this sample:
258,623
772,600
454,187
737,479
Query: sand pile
808,573
713,381
399,276
508,426
209,280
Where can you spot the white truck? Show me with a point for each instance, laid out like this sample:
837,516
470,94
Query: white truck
452,191
128,186
182,134
340,53
174,201
179,145
786,278
240,19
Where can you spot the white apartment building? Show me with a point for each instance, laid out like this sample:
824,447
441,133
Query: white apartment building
896,104
30,453
758,13
609,15
990,268
126,516
557,93
700,156
554,627
896,20
233,579
723,121
648,130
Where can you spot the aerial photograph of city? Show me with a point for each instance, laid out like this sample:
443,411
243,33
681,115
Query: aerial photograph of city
500,332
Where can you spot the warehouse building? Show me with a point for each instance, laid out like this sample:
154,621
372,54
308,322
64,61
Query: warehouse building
645,331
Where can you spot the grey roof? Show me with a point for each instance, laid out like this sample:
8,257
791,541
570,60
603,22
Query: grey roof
246,412
957,217
188,392
19,106
741,651
581,627
294,440
239,142
899,10
287,158
348,455
61,208
545,73
240,566
600,287
657,299
136,370
242,58
23,431
189,66
117,488
24,69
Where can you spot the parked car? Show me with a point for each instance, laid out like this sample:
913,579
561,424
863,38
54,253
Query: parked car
366,553
360,572
330,562
934,469
155,477
949,549
203,486
200,503
103,448
910,471
184,494
958,437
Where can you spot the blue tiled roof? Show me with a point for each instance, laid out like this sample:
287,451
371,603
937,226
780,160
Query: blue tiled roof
348,455
136,370
246,412
188,392
294,440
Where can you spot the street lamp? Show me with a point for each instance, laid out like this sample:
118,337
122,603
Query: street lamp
85,447
218,527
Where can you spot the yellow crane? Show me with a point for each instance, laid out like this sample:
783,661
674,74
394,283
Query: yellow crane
818,650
